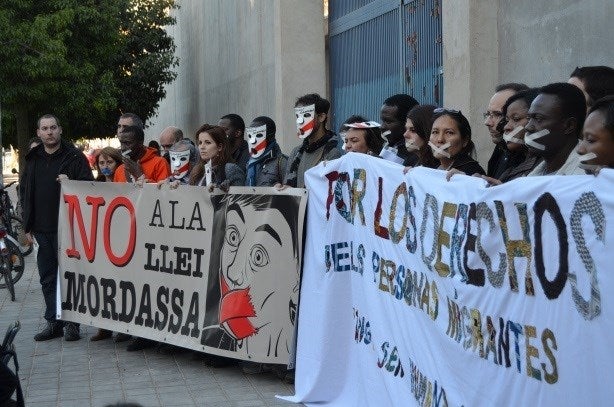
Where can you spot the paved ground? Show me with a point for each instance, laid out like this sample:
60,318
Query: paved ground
84,373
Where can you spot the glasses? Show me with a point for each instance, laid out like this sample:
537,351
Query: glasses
446,110
492,115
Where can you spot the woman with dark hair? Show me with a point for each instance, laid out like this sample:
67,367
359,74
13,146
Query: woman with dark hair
451,142
597,145
216,167
417,134
362,136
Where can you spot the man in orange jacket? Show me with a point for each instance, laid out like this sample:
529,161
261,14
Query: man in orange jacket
138,159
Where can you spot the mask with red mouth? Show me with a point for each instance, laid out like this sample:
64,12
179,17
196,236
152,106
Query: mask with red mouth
235,310
305,120
257,140
180,163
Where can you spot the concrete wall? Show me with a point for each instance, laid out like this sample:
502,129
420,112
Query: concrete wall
488,42
251,57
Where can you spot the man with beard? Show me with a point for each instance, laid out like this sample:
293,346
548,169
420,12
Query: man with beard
319,143
46,165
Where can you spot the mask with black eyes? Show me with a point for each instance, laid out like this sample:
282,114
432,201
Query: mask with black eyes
257,140
180,163
305,120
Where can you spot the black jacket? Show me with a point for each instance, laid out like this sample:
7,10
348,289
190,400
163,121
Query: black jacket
74,164
466,164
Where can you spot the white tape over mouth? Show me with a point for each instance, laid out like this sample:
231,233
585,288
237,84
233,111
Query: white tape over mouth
529,139
511,136
440,150
588,167
385,134
126,153
410,146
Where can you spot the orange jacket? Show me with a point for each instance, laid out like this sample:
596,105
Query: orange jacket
154,167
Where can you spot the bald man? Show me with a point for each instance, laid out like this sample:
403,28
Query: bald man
168,137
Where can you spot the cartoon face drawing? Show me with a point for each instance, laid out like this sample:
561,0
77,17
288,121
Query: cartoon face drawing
255,282
305,120
180,163
256,139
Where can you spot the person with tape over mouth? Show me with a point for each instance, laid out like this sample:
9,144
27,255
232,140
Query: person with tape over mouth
451,142
556,117
596,148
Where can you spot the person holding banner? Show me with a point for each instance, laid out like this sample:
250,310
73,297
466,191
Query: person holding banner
267,163
362,136
319,143
46,165
393,115
216,167
417,133
451,142
183,156
520,161
556,117
139,161
596,148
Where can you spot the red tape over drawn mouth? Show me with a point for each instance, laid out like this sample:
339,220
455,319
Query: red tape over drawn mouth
235,309
181,169
307,127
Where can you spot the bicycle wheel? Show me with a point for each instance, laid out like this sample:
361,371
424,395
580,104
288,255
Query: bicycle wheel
6,275
20,235
17,262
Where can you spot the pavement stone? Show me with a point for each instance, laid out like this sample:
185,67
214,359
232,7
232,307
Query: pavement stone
56,373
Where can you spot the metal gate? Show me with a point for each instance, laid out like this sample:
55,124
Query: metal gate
379,48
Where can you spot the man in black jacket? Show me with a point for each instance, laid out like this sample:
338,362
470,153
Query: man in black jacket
45,165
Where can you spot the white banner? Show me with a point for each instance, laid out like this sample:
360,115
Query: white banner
419,291
216,273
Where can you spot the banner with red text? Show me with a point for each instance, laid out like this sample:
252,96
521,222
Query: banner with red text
420,291
212,272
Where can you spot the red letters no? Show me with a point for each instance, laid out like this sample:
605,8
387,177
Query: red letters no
74,208
115,204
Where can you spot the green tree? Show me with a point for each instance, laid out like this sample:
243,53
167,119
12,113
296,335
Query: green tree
86,61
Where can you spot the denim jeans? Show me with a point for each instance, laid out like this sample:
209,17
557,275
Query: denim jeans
47,261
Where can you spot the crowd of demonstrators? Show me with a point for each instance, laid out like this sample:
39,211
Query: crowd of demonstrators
559,128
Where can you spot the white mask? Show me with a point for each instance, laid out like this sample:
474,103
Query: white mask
180,163
305,116
256,139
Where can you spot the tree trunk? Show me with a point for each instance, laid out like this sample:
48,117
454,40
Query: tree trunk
24,135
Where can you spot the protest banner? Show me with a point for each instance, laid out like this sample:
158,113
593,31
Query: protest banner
211,272
420,291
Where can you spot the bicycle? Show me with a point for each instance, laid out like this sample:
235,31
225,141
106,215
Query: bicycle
11,262
11,221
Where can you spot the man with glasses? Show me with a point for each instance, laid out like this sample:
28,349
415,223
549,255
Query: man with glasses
499,160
